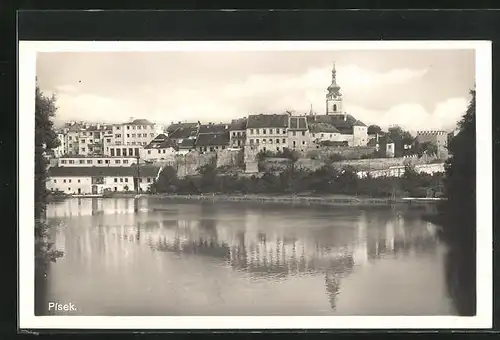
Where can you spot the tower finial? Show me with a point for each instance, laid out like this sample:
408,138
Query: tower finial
334,74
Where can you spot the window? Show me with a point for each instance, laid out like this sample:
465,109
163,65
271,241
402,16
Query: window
64,181
89,161
55,181
69,181
118,135
116,188
99,161
90,149
133,135
284,131
303,133
277,140
270,141
126,180
136,152
256,131
83,149
263,141
69,138
128,127
330,135
303,142
108,140
294,133
234,134
128,135
251,131
82,141
125,161
82,161
63,161
257,141
117,161
116,180
78,181
149,180
322,135
69,189
121,180
251,141
71,161
270,131
112,152
118,152
106,161
149,152
284,140
263,131
124,152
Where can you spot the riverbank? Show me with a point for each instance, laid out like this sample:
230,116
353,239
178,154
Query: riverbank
335,200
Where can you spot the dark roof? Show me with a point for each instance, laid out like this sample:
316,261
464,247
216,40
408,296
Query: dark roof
209,139
183,132
264,121
298,123
105,171
344,126
213,128
238,124
358,123
161,142
140,122
175,126
322,127
187,144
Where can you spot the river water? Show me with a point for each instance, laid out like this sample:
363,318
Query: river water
174,259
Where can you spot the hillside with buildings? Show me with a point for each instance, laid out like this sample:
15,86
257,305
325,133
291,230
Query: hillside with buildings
93,158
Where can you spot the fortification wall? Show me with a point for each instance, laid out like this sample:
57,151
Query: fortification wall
323,153
188,164
230,158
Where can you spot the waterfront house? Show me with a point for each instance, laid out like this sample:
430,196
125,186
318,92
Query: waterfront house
99,161
97,180
237,132
160,148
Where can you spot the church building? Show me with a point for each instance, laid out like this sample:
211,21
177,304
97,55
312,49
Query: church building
336,125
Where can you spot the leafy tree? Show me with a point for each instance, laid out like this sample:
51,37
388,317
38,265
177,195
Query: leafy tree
374,129
167,180
458,213
400,139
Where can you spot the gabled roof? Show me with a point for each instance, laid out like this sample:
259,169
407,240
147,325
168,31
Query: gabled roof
213,128
123,171
187,143
322,127
265,121
238,124
358,123
183,132
161,142
298,123
209,139
175,126
342,123
140,122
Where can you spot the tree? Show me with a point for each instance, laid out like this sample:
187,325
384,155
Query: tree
458,213
167,179
374,129
400,138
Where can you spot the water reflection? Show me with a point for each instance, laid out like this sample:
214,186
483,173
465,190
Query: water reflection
278,253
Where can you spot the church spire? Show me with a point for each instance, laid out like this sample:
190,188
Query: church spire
334,75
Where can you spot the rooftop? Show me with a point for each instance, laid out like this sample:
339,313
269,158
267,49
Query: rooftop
139,122
213,128
322,127
209,139
267,121
161,142
238,124
343,123
298,123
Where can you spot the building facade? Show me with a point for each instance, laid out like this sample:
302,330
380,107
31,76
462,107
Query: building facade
98,161
237,133
436,137
267,132
299,137
98,180
159,149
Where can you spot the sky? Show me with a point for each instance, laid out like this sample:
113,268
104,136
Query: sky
416,89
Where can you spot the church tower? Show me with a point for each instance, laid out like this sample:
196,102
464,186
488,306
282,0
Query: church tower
334,96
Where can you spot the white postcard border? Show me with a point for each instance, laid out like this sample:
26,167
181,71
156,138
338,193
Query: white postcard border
26,76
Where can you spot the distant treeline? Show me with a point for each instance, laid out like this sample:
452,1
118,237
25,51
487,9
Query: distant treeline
325,180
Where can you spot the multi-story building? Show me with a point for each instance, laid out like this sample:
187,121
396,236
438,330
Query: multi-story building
62,148
99,161
267,132
182,131
212,137
160,148
237,132
298,134
436,137
97,180
136,134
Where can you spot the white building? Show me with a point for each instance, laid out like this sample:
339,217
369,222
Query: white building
99,161
159,149
267,132
237,133
98,180
299,136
